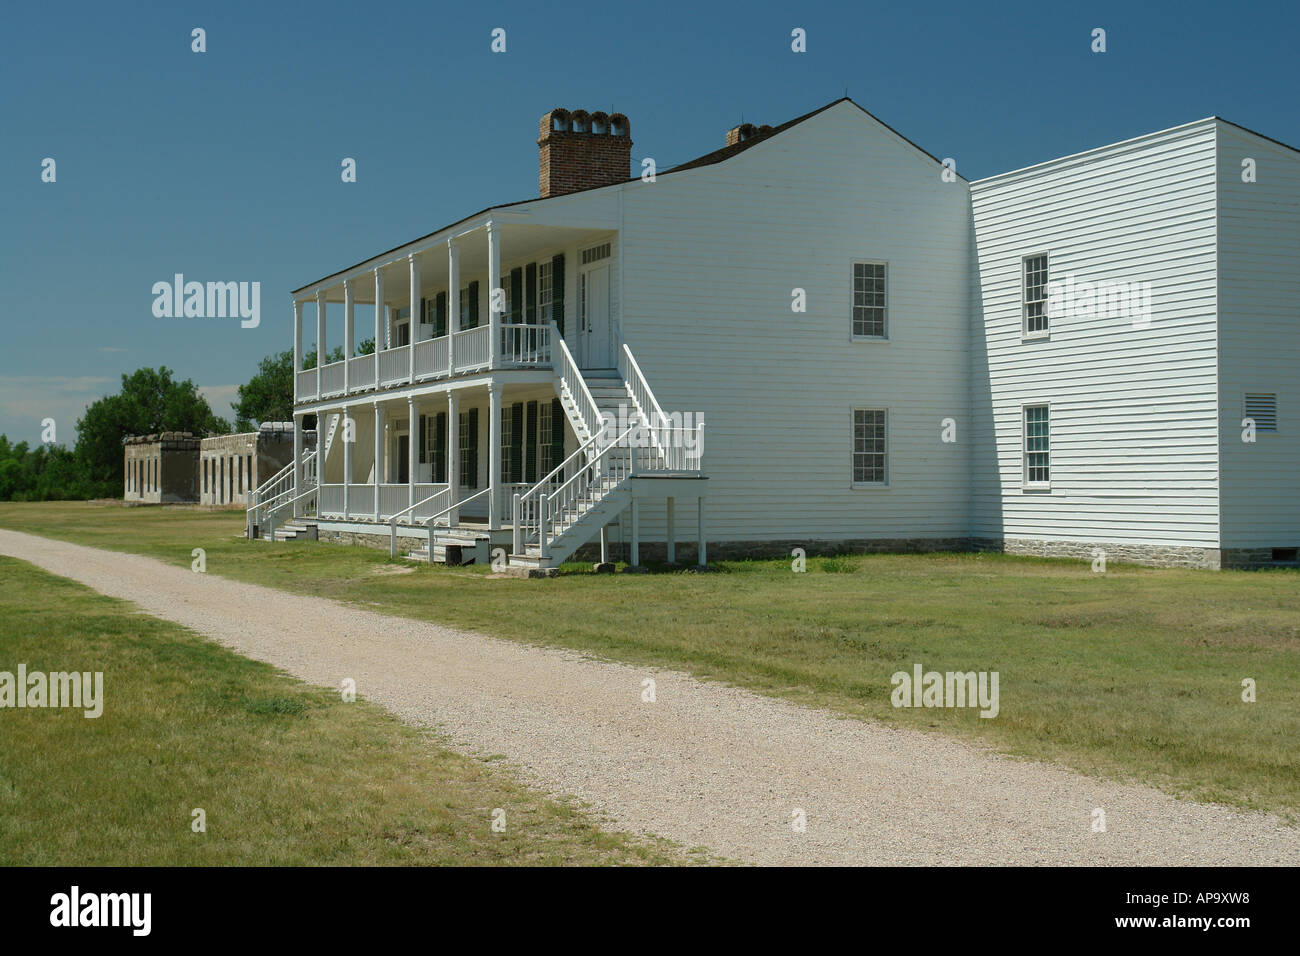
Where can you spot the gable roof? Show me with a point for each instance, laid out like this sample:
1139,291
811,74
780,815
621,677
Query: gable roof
708,159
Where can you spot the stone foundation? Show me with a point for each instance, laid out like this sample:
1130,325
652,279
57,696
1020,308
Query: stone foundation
1150,555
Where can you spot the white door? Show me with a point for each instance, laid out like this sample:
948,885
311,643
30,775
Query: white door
596,336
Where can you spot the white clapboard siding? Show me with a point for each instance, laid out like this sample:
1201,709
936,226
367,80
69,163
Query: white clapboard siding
1259,337
1134,438
711,257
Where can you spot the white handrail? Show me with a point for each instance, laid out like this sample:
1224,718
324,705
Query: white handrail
428,522
257,512
534,520
392,521
571,375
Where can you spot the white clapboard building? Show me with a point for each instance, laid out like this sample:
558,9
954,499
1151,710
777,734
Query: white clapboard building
821,336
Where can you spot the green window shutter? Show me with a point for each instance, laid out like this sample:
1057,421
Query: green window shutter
517,441
440,315
557,433
440,448
557,292
473,448
473,305
530,444
516,295
423,435
424,311
530,294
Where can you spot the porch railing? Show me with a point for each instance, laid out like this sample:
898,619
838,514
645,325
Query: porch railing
431,357
473,348
556,502
361,373
395,365
525,345
571,376
331,379
306,381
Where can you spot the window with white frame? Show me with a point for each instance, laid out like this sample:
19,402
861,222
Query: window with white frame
869,300
870,451
1037,442
543,292
1035,295
544,463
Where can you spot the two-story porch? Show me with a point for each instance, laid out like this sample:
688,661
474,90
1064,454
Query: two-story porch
497,406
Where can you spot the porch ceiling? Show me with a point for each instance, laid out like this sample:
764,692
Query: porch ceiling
518,241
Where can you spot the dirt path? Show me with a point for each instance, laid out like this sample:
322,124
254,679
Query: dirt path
703,764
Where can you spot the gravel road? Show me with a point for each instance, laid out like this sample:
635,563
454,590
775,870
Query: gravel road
704,764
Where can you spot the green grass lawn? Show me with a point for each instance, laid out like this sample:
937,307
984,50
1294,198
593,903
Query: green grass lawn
286,773
1135,674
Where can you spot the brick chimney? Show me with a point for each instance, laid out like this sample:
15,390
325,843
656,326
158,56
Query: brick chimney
579,150
745,132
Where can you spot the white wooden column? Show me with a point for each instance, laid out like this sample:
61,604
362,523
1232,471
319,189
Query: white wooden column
703,556
320,353
412,453
349,334
494,456
349,426
379,453
297,346
672,538
636,534
379,320
453,302
297,461
415,311
494,284
453,453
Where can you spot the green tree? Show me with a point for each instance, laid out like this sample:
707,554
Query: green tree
151,401
268,395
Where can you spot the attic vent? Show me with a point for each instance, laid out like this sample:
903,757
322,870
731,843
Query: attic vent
595,253
1262,407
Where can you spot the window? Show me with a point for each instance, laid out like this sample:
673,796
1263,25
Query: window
468,428
1037,431
870,456
543,292
869,300
544,442
595,253
1261,407
1035,295
507,440
464,309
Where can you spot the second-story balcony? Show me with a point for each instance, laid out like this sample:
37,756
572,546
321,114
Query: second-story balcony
518,345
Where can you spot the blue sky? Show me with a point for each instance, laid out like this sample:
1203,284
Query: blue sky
225,165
